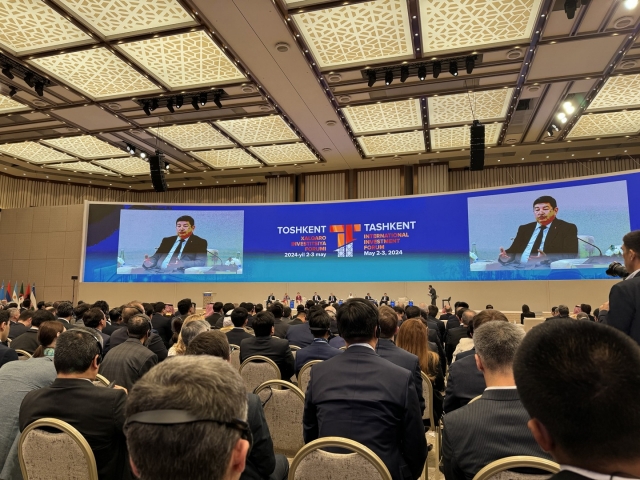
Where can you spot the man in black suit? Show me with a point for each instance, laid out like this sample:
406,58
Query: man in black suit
385,299
180,251
94,319
554,313
316,297
154,342
377,407
6,354
299,332
22,325
590,423
433,294
162,323
268,346
216,315
455,335
432,313
280,326
563,312
28,341
332,298
271,299
239,318
64,312
130,360
319,349
544,241
448,314
97,413
494,426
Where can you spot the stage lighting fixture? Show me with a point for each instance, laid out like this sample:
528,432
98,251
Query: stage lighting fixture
470,62
437,68
28,79
422,72
154,104
6,71
39,88
562,117
143,155
388,77
372,78
146,108
203,99
570,7
13,91
216,100
170,105
453,67
404,73
179,101
554,127
194,103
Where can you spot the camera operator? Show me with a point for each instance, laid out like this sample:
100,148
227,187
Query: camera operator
622,311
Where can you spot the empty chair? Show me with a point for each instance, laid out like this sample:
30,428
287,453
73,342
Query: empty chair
256,370
64,454
498,470
313,463
234,356
305,374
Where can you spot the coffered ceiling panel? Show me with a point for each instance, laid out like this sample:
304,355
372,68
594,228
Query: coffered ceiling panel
29,26
258,130
230,157
81,167
487,105
126,166
115,18
605,124
458,137
358,34
86,146
406,142
187,60
618,92
289,153
8,105
192,136
383,117
97,73
34,152
454,25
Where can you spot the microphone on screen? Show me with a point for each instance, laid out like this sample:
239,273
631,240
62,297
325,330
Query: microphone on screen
591,245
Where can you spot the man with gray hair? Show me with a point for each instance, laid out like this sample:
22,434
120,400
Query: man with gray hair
192,329
494,426
178,404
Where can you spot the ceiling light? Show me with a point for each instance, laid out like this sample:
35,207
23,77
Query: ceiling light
388,77
154,104
39,88
562,117
568,107
453,67
422,72
28,79
170,105
130,148
372,78
550,131
6,71
143,155
630,4
203,99
194,103
470,62
216,100
437,68
179,101
13,91
404,73
570,7
146,108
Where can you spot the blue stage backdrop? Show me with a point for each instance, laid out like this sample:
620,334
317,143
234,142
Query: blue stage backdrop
448,237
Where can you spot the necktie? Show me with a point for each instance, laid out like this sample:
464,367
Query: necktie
538,242
176,253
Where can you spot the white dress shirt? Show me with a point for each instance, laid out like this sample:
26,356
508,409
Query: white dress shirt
527,251
631,275
173,249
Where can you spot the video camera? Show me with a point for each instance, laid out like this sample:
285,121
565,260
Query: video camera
616,269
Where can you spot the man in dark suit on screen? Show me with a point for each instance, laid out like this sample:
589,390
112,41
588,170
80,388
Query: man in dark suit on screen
180,251
546,240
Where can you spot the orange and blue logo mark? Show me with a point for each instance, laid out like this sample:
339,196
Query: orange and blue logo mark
345,238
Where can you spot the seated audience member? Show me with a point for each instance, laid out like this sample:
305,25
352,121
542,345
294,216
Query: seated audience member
579,383
191,330
19,324
64,312
301,315
300,334
447,313
554,313
465,380
402,355
280,326
94,319
459,335
377,407
154,344
286,314
102,305
563,312
412,337
331,311
179,347
526,313
239,317
97,413
251,309
582,316
268,346
217,314
28,341
6,354
432,328
78,312
319,349
178,404
261,461
161,322
586,309
185,308
489,307
494,426
227,308
115,321
127,362
26,304
48,334
432,313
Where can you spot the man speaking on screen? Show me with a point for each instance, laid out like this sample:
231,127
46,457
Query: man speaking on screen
180,251
545,240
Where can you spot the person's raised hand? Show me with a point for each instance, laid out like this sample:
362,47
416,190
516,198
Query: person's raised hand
503,254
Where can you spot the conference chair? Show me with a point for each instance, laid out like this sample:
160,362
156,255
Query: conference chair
474,399
234,356
283,405
343,348
101,381
498,470
256,370
304,375
23,355
294,348
314,463
427,393
64,454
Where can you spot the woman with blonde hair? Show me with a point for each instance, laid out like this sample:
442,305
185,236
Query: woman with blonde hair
180,348
48,334
413,337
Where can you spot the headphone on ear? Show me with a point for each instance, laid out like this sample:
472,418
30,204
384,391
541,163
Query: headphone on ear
100,356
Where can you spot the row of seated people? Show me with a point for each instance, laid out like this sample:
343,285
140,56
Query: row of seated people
380,406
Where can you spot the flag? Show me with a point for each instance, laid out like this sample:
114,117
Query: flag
27,294
14,297
34,303
21,296
7,295
2,291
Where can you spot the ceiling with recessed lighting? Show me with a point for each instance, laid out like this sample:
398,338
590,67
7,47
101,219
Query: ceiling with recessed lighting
236,90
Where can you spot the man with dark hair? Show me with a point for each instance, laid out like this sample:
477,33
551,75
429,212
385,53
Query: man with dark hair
78,311
622,311
280,326
546,240
40,305
6,354
28,341
180,251
97,413
227,308
102,305
186,308
299,334
261,461
316,297
64,312
258,308
433,294
26,304
251,311
586,308
455,335
579,383
377,407
494,426
319,349
217,313
239,318
268,346
22,324
161,323
115,318
563,312
187,419
127,362
286,315
441,328
155,343
385,299
94,319
554,313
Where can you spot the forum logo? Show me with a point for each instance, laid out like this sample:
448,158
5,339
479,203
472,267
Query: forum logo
345,238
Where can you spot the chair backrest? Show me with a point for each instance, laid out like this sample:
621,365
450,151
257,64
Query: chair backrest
304,375
23,355
283,405
343,347
101,381
474,399
427,393
498,470
234,356
294,348
312,463
63,454
258,369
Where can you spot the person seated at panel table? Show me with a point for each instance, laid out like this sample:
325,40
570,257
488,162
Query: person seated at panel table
286,298
545,240
298,298
180,251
